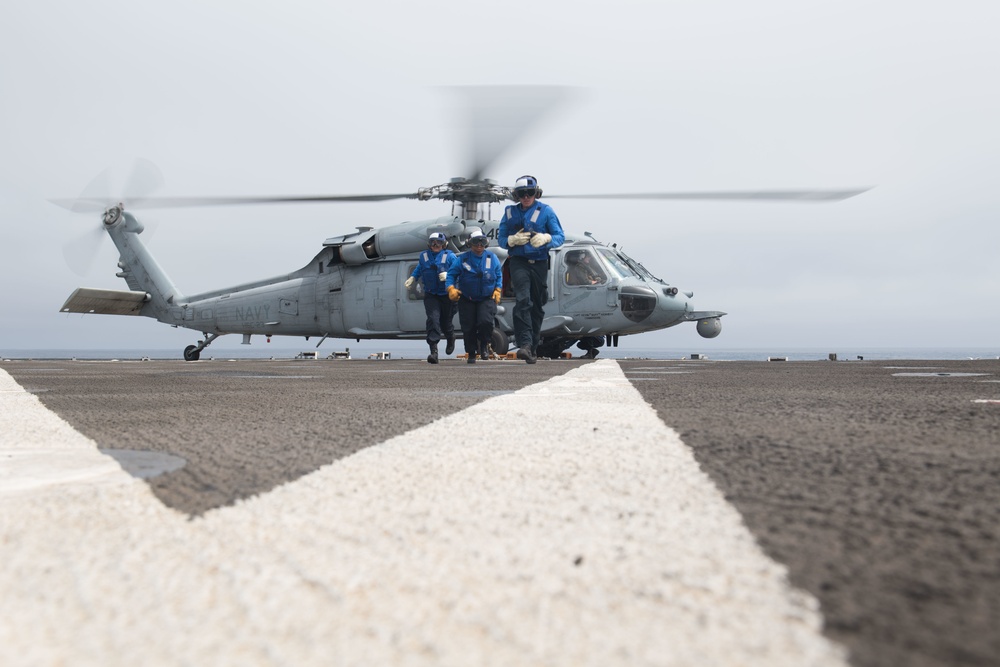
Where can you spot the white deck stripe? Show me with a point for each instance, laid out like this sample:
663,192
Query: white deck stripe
455,544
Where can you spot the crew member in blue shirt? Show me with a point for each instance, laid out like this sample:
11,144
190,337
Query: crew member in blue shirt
528,231
475,283
433,269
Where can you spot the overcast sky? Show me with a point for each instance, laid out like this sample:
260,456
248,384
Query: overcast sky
253,98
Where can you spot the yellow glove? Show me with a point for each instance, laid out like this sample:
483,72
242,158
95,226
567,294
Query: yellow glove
538,240
496,295
409,282
453,293
520,238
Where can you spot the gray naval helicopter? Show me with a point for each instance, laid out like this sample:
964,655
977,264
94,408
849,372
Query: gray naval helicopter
353,287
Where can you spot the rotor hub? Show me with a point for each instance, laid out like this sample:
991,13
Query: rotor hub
467,192
113,215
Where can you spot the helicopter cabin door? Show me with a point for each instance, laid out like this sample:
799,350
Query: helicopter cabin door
330,298
412,316
370,299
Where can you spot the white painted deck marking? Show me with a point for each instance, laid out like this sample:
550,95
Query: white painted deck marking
582,533
940,375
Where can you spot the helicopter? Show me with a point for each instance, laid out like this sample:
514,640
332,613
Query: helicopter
353,288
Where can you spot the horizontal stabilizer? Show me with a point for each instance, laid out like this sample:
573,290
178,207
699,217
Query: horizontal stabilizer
104,301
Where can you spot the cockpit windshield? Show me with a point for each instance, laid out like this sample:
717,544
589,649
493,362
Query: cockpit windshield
617,264
624,266
639,268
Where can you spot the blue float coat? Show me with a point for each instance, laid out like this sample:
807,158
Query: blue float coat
430,265
476,277
537,219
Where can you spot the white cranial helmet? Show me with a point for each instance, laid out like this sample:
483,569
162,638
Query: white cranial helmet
527,185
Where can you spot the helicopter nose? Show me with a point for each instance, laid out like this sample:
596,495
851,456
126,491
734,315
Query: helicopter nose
672,304
658,306
674,299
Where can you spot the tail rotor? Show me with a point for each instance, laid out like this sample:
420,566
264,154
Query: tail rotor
143,179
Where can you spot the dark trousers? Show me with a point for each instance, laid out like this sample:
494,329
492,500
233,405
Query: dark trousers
530,283
440,318
476,318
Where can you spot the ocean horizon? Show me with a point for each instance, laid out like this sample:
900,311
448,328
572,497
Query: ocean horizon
417,350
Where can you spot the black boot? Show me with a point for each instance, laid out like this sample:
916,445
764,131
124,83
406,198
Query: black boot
527,354
432,358
449,346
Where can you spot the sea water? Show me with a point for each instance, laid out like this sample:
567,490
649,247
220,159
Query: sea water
418,350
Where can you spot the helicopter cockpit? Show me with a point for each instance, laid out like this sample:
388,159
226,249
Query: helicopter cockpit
584,269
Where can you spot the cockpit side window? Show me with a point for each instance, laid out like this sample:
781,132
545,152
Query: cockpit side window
583,269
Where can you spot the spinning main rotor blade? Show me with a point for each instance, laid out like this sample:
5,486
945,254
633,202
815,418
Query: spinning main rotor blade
181,202
99,203
498,116
758,195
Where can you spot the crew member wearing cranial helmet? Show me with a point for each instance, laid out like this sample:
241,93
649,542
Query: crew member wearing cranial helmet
433,268
475,283
528,230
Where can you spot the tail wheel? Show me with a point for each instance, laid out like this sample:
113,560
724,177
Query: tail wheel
499,342
192,353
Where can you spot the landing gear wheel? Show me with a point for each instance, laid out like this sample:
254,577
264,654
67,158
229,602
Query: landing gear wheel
499,342
193,352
